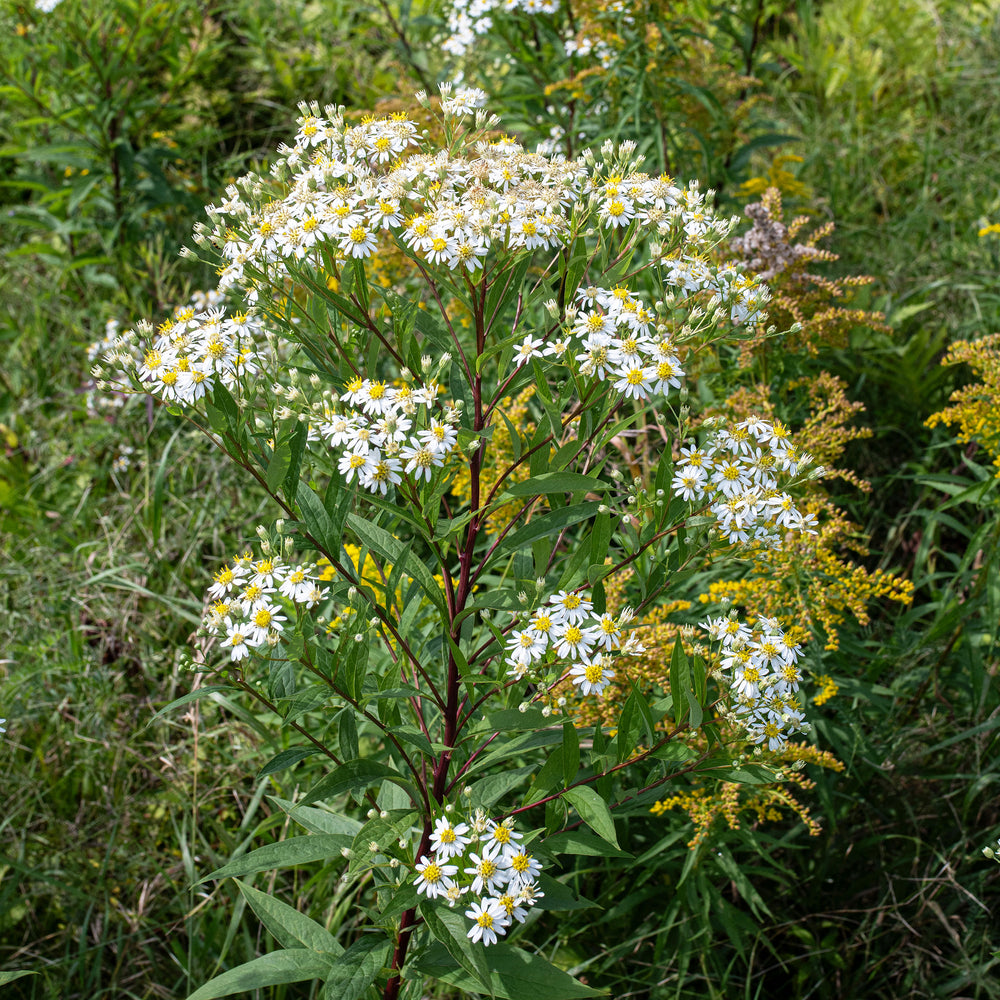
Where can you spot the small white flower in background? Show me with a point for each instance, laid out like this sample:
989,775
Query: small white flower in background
464,101
123,460
993,853
3,728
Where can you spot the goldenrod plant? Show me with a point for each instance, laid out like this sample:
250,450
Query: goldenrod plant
975,408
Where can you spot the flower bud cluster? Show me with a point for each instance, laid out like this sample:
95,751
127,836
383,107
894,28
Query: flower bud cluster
744,295
567,627
495,873
737,471
249,596
761,667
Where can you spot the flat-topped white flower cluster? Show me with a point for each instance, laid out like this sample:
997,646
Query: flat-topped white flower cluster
738,471
471,19
566,628
610,335
389,431
491,865
247,609
761,667
468,20
343,191
199,346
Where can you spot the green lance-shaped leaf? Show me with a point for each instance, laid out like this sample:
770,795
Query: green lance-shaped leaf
451,929
317,820
630,725
317,520
356,775
514,975
548,483
290,966
594,812
548,525
9,977
196,695
680,682
571,752
278,464
285,854
486,792
549,777
356,970
580,842
290,928
287,758
687,687
386,545
297,445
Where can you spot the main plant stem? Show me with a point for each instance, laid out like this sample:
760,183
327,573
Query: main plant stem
407,922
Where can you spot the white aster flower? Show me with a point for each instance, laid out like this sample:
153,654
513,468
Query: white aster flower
434,877
448,841
489,919
593,678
